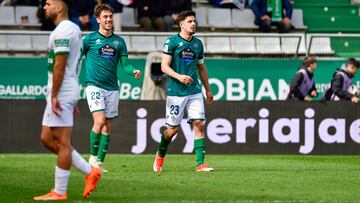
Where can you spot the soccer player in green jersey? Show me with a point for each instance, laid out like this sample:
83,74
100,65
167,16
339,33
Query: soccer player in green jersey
182,61
103,50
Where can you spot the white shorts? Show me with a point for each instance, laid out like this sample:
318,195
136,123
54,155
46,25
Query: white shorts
103,100
66,118
175,108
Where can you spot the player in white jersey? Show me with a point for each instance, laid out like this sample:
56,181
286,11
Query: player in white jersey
64,51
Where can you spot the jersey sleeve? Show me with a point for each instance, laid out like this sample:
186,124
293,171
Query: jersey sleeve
201,54
122,48
169,47
62,41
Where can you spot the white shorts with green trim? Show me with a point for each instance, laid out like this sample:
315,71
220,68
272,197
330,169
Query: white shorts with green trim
103,100
176,106
66,117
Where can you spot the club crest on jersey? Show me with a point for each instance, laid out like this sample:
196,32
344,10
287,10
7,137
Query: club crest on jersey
107,51
116,43
196,45
187,55
98,41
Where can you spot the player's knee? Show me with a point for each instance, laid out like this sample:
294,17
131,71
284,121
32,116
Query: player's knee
44,140
171,132
199,125
100,122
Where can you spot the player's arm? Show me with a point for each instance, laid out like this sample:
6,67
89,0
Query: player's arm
336,87
128,68
166,68
205,81
58,77
295,83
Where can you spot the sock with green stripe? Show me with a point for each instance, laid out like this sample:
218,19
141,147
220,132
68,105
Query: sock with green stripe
94,143
199,147
104,145
163,147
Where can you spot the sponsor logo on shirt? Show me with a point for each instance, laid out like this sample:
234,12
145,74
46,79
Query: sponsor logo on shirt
107,51
187,55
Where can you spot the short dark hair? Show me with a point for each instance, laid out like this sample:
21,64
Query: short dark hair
309,60
67,2
184,14
353,62
102,7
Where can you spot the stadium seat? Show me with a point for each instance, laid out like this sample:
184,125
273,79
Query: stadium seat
297,19
39,42
219,17
268,45
320,45
28,12
3,42
218,45
243,45
201,16
290,44
7,15
143,43
243,18
18,42
128,18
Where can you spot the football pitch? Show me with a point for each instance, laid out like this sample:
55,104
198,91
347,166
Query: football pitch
238,178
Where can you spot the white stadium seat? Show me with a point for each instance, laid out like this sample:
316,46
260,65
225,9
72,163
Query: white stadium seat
289,45
19,42
219,17
128,18
28,12
268,45
7,15
218,45
243,45
39,42
143,43
243,18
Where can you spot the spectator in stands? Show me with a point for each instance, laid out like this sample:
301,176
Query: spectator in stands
302,84
272,12
174,7
82,13
151,14
341,81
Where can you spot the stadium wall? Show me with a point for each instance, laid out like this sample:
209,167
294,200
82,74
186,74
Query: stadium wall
230,79
232,127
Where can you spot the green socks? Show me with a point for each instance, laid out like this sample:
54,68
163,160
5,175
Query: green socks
94,143
103,148
199,147
163,147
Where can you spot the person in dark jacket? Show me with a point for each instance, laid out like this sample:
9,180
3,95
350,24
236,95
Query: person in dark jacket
82,14
272,12
341,81
151,14
303,84
174,7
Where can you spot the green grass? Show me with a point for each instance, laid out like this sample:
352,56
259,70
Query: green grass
238,178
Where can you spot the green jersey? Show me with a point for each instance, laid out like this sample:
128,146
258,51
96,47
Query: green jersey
185,55
102,58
